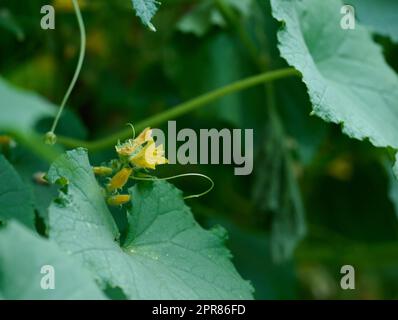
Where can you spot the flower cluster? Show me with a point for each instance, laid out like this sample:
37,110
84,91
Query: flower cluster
135,155
142,151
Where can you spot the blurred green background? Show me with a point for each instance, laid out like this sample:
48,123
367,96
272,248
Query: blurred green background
339,190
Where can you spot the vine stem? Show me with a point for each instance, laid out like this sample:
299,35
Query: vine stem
181,109
78,68
197,195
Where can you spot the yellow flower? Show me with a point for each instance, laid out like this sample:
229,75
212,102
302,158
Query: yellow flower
144,136
149,156
131,145
118,200
102,171
119,179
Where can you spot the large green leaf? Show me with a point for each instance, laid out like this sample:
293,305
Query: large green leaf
20,112
166,255
146,9
20,109
347,78
381,16
16,200
22,256
29,167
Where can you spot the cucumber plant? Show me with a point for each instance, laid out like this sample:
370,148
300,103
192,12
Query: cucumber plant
115,223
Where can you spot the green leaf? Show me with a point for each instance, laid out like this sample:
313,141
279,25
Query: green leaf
146,9
165,238
22,256
20,109
166,255
20,112
381,16
346,75
28,167
15,197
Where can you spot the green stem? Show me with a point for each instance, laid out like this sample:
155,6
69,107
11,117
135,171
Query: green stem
34,142
182,109
79,64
